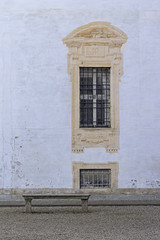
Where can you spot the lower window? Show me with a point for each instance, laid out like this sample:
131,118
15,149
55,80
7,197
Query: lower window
95,178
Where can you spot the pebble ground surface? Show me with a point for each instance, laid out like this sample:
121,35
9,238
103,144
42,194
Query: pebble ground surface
69,223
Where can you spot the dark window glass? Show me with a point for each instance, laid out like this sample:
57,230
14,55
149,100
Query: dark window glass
95,97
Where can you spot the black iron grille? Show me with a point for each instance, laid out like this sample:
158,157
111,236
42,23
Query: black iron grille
95,178
95,97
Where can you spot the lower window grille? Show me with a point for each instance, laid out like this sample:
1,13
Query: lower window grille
95,178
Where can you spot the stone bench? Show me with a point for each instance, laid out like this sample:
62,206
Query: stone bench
28,199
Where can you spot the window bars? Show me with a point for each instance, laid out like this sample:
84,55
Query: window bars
95,178
95,97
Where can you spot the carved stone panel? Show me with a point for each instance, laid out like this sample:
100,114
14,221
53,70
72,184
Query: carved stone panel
94,51
96,44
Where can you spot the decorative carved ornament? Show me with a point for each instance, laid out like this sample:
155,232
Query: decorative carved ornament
97,44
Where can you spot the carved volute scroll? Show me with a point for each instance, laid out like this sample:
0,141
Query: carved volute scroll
97,44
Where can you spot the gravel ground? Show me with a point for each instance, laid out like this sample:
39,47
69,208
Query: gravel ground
69,223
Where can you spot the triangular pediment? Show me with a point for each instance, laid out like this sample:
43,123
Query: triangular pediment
96,31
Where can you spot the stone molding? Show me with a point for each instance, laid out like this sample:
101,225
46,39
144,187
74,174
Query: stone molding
114,166
97,44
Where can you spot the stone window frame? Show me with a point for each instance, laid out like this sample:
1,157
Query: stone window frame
97,44
77,166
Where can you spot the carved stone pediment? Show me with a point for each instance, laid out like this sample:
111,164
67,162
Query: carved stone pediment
100,32
97,33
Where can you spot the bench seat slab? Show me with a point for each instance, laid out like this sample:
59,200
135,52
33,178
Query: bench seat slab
28,198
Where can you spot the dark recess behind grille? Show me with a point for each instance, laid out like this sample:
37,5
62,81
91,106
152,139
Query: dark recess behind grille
95,178
95,97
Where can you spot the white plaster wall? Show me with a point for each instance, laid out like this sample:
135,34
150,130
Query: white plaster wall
35,92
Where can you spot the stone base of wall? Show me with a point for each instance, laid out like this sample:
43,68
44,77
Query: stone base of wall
20,191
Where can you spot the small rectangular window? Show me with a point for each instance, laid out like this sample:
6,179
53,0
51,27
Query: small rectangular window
95,178
95,97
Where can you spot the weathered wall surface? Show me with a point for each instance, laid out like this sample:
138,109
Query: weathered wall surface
35,93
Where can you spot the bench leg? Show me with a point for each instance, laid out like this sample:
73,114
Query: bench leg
28,205
84,205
